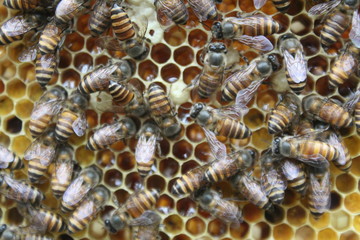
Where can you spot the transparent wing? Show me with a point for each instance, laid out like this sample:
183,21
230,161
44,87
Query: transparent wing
146,219
6,156
37,150
111,133
28,54
273,178
258,42
218,149
290,169
141,27
110,43
355,98
321,189
18,188
335,142
315,160
296,66
323,7
354,34
103,73
145,149
86,209
259,3
17,25
66,7
76,191
244,96
47,108
198,8
79,125
241,74
63,171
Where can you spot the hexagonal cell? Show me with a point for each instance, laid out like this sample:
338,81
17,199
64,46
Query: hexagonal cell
15,88
170,73
126,161
254,118
275,216
74,42
340,220
328,234
70,78
4,139
173,224
355,169
261,230
267,100
335,201
13,216
186,207
203,152
349,235
301,25
82,24
351,143
216,228
352,202
251,213
65,59
26,72
8,70
160,53
165,204
133,181
345,183
195,226
356,222
283,232
84,156
20,144
105,158
182,149
113,178
83,62
197,38
34,91
6,105
321,222
175,36
311,45
239,232
13,124
323,87
157,182
169,167
318,65
148,70
181,237
305,233
296,216
184,55
261,139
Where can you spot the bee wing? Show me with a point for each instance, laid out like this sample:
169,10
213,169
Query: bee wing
290,170
103,73
146,219
163,11
321,189
218,149
142,27
258,42
76,191
145,149
227,211
355,98
86,209
18,189
47,108
6,157
66,7
259,3
315,160
28,54
80,124
111,133
296,66
323,7
17,25
273,178
335,142
244,96
62,172
241,74
38,151
354,34
110,43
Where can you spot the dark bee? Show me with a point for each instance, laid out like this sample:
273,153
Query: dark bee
326,110
285,113
64,167
134,207
9,160
52,37
281,5
45,109
294,172
66,10
175,10
88,178
111,133
20,190
204,9
41,154
16,27
88,209
146,227
72,118
15,233
100,18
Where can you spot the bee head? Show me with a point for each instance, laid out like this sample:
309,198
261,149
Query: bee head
309,101
286,36
80,100
264,67
274,61
217,47
129,125
276,145
206,198
59,92
350,3
115,223
172,128
128,67
196,109
217,30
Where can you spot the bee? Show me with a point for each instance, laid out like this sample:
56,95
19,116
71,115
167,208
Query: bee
14,233
294,172
162,111
66,10
344,66
134,207
45,67
88,209
272,179
353,106
295,62
281,5
303,127
336,21
146,227
88,178
172,9
64,167
108,134
285,114
72,118
99,79
9,160
249,30
16,27
49,105
326,110
52,37
100,18
319,191
204,9
220,208
20,190
41,154
27,5
145,148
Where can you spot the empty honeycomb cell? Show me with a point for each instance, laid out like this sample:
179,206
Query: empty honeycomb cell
6,105
15,88
14,217
216,228
121,196
318,65
105,158
252,213
327,234
113,178
345,183
168,167
186,207
195,226
165,204
157,182
83,62
239,231
195,133
26,72
148,70
82,24
91,118
225,188
283,20
321,222
175,35
349,235
34,91
190,73
92,47
246,5
305,233
352,202
184,55
301,24
296,216
181,237
173,224
267,100
182,150
311,45
126,161
65,59
261,139
254,118
8,70
20,144
202,152
70,78
352,144
197,38
133,181
160,53
283,232
340,220
97,230
356,222
261,230
323,87
355,169
12,124
170,73
4,139
275,216
336,200
74,42
84,156
118,146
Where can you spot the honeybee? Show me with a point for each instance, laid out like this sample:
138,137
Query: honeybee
27,5
16,27
326,110
145,148
100,18
49,105
285,114
88,209
40,154
88,178
108,134
45,67
319,191
295,62
52,37
281,5
20,190
72,118
9,160
99,79
14,233
146,227
249,30
173,9
64,167
304,126
336,21
353,106
134,207
220,208
66,10
204,9
344,66
294,172
162,111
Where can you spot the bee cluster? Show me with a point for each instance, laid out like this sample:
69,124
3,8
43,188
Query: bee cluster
239,162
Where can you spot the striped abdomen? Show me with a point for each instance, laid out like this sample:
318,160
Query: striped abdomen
27,194
218,171
295,175
342,69
140,202
59,186
50,39
335,115
276,192
279,119
66,12
29,236
179,13
100,19
206,9
263,26
36,170
209,82
307,149
282,5
64,127
344,166
92,83
334,26
357,116
232,87
145,167
38,126
17,163
54,222
232,128
78,221
296,87
22,4
121,23
120,93
66,207
5,39
254,194
158,101
44,68
189,181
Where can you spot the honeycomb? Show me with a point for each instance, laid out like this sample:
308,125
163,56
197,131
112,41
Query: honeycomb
174,60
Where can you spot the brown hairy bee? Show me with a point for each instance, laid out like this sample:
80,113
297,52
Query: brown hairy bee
27,5
204,9
100,17
146,227
45,109
64,167
281,5
45,67
41,154
88,209
72,118
285,113
20,190
134,207
173,10
294,172
295,62
88,178
52,37
16,27
225,210
8,232
108,134
9,160
249,30
326,110
353,106
66,10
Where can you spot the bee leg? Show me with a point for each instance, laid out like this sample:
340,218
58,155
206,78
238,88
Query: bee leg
158,149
